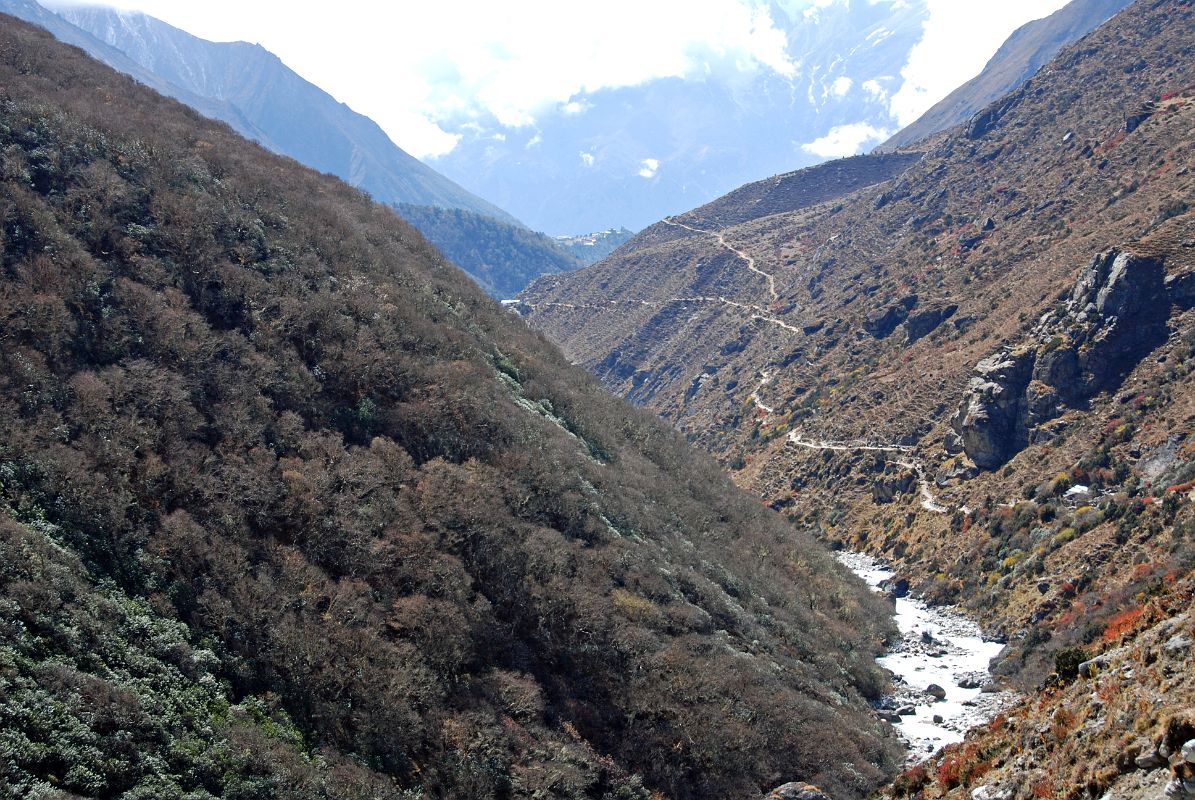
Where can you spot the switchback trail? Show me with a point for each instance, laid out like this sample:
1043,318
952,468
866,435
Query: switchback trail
754,311
928,501
771,279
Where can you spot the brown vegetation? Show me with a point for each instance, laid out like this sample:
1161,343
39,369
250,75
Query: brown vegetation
424,552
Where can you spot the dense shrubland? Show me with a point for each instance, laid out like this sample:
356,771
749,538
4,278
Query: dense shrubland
289,508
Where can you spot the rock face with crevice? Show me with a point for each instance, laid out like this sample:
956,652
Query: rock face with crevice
1115,315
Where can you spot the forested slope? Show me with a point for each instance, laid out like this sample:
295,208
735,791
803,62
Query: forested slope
291,509
503,258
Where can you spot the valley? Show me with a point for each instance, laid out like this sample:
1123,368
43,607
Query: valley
872,480
982,375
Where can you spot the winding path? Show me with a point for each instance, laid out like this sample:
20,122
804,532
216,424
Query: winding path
754,311
771,279
928,501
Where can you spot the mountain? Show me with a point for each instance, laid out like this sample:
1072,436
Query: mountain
978,369
254,92
290,508
503,259
625,157
260,97
1024,53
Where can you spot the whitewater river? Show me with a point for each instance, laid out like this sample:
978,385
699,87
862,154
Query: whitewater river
938,646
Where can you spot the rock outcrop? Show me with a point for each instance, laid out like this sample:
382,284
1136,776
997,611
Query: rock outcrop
1115,315
991,421
923,323
797,791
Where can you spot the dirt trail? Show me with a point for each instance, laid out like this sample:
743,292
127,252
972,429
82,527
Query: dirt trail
771,279
753,311
928,501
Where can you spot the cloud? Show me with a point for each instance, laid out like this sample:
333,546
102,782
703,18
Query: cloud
845,140
573,107
875,90
423,69
587,159
841,86
649,169
958,40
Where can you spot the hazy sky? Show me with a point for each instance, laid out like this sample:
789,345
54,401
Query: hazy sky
416,66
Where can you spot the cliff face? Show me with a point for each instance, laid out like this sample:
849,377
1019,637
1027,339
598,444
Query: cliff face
1116,314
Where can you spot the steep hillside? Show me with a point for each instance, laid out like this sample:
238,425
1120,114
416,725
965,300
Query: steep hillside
1029,48
980,369
502,258
291,509
254,92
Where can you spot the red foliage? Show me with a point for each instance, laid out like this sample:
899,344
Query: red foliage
1122,623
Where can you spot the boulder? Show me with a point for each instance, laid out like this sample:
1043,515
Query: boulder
935,691
1093,666
992,792
959,467
1181,290
1177,645
1150,758
797,791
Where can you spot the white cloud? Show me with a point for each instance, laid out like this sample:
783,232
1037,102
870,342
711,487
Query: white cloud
845,140
587,159
534,140
959,38
422,69
576,107
875,90
650,167
841,86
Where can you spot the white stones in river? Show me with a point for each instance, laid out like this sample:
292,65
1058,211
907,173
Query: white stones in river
940,669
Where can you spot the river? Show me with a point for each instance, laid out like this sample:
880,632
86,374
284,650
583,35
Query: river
938,646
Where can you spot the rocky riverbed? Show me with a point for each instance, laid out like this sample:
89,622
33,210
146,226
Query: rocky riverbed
940,669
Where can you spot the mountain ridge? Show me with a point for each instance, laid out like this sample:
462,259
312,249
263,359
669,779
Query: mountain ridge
329,136
1024,52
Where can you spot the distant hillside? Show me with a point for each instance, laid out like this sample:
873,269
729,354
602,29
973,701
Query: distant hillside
591,248
1024,53
503,258
289,508
271,104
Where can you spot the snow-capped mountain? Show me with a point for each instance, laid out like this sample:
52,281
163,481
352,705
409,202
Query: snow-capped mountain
630,156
